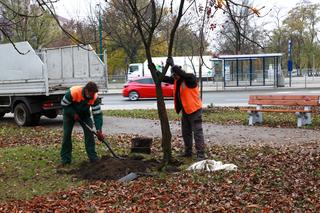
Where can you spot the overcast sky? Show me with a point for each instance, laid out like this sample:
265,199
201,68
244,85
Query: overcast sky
81,8
76,9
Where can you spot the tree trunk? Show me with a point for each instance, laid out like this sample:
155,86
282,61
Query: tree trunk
162,112
164,121
165,127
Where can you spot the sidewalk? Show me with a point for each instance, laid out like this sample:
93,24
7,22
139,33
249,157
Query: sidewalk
214,133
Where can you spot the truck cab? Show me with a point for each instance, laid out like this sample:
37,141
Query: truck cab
190,64
135,71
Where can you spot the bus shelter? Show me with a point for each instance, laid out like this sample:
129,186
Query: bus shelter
249,70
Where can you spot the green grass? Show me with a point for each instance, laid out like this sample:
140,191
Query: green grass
30,170
218,115
141,113
224,116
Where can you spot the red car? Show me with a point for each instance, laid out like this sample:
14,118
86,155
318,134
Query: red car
144,88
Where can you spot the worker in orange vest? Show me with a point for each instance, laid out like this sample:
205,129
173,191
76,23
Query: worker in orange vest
76,105
187,101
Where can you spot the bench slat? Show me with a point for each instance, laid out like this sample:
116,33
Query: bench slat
285,100
275,110
284,97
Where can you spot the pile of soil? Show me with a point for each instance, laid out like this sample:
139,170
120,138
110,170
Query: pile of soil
113,169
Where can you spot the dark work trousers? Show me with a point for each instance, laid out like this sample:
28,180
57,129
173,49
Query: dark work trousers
66,147
192,124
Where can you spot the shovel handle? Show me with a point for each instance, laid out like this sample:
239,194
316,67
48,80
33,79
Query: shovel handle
103,141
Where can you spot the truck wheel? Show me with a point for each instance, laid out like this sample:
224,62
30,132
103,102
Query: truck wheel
133,95
22,116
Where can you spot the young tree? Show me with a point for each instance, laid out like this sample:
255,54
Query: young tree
146,17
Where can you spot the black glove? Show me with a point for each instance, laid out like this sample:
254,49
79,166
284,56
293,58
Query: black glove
170,61
178,71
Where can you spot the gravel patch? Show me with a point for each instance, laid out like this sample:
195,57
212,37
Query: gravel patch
216,134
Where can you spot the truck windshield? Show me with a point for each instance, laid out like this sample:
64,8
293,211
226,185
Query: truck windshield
133,68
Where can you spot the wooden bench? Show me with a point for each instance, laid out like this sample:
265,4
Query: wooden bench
302,103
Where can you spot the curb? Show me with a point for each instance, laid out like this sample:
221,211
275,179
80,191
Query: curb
232,89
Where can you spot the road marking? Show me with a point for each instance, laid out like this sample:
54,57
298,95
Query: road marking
283,92
238,99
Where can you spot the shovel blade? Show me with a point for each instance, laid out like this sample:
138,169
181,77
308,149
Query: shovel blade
129,177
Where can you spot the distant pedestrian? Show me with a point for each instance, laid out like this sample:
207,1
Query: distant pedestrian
187,101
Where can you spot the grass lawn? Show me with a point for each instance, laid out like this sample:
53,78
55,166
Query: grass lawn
223,116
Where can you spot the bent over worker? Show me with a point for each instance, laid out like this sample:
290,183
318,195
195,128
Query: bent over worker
187,101
76,106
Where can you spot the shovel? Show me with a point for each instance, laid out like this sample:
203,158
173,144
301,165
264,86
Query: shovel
103,141
134,175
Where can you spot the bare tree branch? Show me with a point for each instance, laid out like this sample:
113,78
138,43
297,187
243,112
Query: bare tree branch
45,6
18,13
13,44
236,24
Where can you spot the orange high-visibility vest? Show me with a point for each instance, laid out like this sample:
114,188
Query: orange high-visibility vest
190,97
76,95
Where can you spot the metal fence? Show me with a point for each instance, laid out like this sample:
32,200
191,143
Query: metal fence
115,79
217,83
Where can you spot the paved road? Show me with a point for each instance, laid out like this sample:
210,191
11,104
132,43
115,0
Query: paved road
220,98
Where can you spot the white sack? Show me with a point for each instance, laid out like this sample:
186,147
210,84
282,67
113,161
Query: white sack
211,165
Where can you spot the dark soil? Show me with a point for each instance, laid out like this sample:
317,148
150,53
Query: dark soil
113,169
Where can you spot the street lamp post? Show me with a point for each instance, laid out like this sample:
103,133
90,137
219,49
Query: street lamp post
100,33
290,61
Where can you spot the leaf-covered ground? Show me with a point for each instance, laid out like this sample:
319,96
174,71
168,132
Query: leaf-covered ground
283,178
267,179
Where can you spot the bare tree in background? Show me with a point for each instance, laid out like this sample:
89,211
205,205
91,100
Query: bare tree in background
205,21
123,33
238,34
12,16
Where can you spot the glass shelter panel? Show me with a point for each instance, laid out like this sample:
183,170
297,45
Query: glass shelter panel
250,70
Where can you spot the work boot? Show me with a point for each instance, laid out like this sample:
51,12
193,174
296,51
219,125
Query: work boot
94,160
201,156
63,165
185,155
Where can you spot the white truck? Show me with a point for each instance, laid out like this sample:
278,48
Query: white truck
188,63
33,84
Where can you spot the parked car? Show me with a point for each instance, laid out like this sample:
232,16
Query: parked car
144,88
